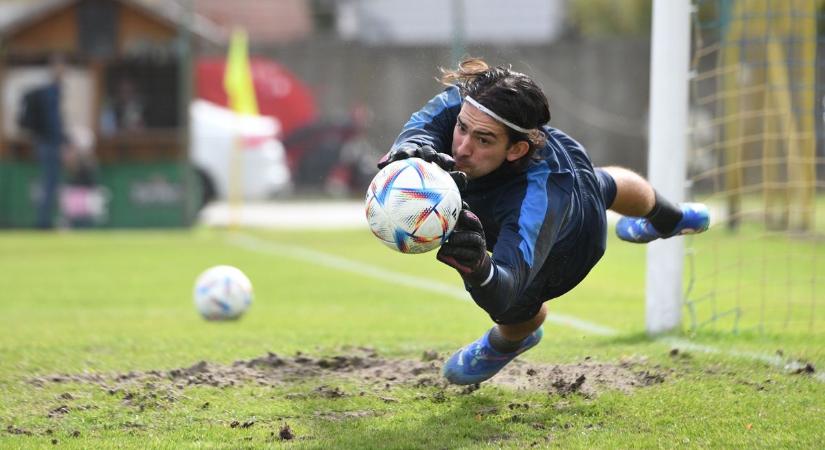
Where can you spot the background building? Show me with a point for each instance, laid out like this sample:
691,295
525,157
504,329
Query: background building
339,77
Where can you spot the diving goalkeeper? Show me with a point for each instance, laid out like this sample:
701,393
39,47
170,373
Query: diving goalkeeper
532,197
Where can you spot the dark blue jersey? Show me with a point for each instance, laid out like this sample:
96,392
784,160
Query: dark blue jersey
537,219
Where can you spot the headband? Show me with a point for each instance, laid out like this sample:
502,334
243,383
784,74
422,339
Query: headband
490,113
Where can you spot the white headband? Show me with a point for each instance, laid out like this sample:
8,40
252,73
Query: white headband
490,113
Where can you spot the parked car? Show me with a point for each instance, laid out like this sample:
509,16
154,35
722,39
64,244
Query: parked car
237,154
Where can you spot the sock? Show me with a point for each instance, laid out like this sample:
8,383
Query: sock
665,215
502,345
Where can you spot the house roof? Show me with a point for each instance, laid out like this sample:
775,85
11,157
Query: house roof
17,15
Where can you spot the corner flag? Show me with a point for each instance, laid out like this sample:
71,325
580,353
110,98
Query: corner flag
237,78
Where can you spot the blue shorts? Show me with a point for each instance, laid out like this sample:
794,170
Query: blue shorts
607,186
577,251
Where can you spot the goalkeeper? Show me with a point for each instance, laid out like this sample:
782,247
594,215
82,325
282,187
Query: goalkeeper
532,197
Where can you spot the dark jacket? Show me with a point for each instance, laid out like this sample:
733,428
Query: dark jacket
536,219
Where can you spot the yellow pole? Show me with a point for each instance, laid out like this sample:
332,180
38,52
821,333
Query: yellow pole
241,94
775,207
806,18
782,98
732,98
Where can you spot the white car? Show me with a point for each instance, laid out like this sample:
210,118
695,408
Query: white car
237,156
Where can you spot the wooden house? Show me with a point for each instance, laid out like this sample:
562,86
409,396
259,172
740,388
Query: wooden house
125,93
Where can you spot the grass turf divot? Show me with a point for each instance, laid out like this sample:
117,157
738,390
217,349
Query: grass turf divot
365,366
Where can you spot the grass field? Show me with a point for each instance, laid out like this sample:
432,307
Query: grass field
100,347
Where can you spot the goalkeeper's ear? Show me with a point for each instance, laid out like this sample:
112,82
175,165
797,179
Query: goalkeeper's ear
517,151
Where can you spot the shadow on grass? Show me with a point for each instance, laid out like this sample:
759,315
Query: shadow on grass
488,418
640,338
466,421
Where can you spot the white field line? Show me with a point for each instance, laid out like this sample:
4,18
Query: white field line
772,360
306,255
347,265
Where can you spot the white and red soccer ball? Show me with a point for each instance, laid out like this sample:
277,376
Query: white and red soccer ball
412,205
222,293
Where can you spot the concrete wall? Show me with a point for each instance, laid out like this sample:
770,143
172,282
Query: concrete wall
598,90
433,22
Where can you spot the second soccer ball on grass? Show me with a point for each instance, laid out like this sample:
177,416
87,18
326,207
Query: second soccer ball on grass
222,293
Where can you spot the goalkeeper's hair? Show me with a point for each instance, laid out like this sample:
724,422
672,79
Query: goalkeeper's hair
510,94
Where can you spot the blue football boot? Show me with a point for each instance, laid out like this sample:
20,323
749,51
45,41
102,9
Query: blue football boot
479,361
695,219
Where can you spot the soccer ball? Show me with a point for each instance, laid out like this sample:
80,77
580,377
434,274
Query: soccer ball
412,205
222,292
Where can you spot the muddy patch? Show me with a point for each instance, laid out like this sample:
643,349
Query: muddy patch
587,378
369,369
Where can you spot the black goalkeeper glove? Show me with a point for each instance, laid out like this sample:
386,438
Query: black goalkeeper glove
424,152
428,154
466,250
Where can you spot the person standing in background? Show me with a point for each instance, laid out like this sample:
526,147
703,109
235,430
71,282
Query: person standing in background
42,117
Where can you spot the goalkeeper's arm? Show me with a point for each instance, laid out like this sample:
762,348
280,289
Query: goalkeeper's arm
431,129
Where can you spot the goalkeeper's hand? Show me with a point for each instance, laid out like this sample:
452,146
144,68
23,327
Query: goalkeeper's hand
466,250
425,152
429,154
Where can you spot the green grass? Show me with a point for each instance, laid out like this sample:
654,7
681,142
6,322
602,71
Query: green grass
772,281
758,279
114,302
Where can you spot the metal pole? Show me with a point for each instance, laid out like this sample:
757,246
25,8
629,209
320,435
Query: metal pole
184,100
458,31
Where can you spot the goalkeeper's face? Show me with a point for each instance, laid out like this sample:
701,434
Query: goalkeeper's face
481,143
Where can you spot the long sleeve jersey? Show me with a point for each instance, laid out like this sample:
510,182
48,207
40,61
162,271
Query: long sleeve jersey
531,216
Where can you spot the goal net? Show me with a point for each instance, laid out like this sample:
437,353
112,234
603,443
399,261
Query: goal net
755,156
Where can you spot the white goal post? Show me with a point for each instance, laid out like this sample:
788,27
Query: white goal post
667,147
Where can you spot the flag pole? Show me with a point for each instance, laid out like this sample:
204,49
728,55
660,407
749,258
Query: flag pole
240,91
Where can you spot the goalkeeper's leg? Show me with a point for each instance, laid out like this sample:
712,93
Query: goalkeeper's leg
648,215
487,355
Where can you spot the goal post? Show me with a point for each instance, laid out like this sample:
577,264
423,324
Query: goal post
737,110
667,147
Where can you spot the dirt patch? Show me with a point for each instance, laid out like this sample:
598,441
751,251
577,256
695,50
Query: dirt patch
286,434
588,378
11,429
364,365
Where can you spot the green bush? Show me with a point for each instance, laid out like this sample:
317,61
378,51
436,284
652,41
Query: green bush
605,18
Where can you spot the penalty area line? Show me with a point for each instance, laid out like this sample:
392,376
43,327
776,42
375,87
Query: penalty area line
771,360
330,261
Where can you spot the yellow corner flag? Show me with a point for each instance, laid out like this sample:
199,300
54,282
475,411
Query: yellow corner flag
237,78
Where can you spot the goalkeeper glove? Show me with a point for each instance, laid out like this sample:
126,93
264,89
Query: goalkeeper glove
466,250
425,152
428,154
